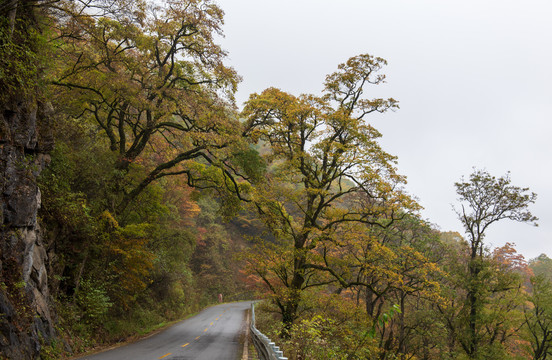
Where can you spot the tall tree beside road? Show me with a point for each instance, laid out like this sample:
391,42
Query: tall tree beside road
485,200
326,170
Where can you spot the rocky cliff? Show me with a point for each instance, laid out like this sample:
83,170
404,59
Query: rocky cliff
25,319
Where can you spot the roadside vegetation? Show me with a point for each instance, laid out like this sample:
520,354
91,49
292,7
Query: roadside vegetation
160,195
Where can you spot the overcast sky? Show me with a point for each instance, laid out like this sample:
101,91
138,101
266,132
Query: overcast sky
473,78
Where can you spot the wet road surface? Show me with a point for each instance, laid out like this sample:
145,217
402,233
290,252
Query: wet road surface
212,334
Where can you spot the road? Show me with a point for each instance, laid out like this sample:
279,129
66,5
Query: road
211,334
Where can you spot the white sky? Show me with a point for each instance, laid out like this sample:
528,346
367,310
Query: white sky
473,78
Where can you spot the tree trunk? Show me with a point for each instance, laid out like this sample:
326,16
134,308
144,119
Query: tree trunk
473,302
289,313
402,334
12,12
370,303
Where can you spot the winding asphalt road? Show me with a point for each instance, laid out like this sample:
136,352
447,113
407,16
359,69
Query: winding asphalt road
213,334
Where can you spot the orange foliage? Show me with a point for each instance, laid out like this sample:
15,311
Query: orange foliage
510,260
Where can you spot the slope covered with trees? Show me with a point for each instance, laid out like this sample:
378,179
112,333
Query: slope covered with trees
140,104
159,195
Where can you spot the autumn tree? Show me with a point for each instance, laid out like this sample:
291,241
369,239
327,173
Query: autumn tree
384,268
152,79
326,170
485,200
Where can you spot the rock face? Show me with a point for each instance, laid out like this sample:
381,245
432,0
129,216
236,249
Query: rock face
25,318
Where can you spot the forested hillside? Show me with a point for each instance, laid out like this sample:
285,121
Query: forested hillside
134,192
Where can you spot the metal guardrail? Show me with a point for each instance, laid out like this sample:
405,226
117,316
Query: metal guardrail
266,349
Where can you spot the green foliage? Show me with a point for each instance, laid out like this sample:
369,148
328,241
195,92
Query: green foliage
138,321
52,351
252,163
485,200
498,290
542,266
93,300
332,328
309,339
538,318
172,282
20,60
